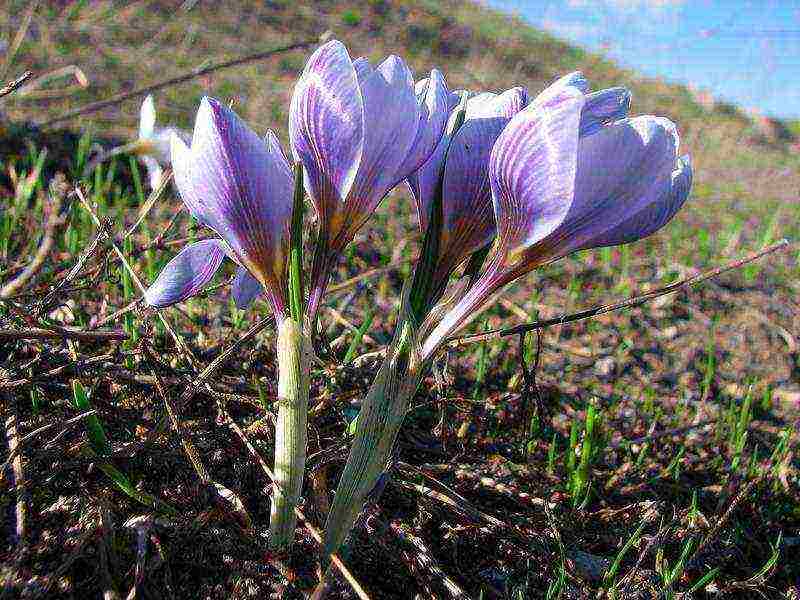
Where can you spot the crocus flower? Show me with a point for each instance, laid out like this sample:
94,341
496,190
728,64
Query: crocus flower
358,130
240,186
153,145
467,217
568,172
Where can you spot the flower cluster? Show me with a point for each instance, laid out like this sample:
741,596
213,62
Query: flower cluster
503,183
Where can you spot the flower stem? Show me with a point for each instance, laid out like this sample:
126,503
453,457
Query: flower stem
378,423
294,352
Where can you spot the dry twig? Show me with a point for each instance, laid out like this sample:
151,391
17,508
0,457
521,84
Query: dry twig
143,91
495,334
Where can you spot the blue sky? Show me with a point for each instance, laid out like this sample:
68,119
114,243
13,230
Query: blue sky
747,53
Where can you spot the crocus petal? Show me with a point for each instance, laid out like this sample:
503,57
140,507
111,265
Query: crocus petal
186,274
245,288
532,170
154,170
629,184
234,183
326,126
363,68
423,182
274,147
604,107
147,118
648,218
434,101
391,120
553,92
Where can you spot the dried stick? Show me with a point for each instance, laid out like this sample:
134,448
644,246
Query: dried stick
495,334
36,432
181,345
53,221
12,434
421,555
335,560
206,373
11,86
36,333
103,233
55,372
143,91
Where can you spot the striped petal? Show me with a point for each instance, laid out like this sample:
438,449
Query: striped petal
468,217
434,101
326,127
423,182
186,274
604,107
391,121
553,92
532,171
245,288
239,186
630,183
147,118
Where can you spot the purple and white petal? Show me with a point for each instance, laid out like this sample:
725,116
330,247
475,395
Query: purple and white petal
648,218
552,93
147,118
423,182
234,183
391,120
532,170
629,184
468,216
154,170
604,107
434,110
363,68
186,274
326,126
245,288
275,148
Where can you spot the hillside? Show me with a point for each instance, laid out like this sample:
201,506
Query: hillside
698,393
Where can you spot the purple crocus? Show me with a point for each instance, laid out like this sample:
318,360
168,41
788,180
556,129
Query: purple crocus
567,172
358,130
570,172
467,217
239,186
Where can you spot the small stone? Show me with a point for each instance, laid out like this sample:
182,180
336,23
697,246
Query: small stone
668,333
605,367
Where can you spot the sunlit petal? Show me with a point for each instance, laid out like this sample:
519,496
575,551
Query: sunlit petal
186,274
245,288
326,127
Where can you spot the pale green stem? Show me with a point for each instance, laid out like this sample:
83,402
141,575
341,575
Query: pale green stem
294,352
378,423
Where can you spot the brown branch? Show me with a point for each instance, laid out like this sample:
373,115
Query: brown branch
12,435
14,85
37,333
36,432
206,373
181,345
55,372
495,334
143,91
